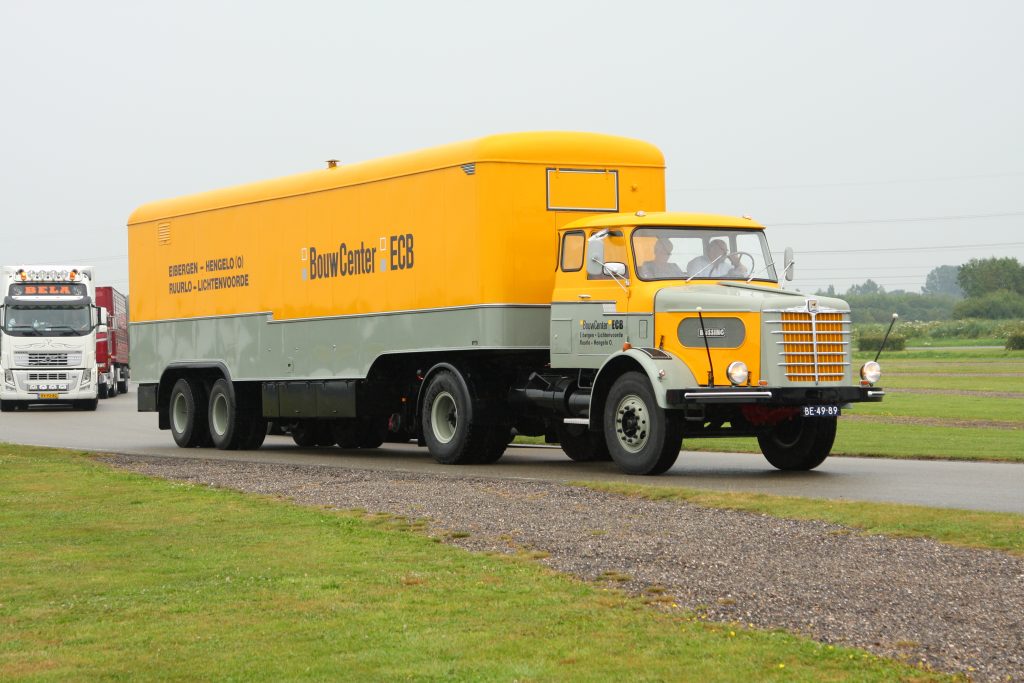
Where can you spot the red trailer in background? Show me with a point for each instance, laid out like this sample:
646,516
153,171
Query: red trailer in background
112,346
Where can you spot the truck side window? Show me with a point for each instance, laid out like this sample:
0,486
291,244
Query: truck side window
572,251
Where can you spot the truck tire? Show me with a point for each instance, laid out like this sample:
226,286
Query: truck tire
187,414
256,436
122,387
641,437
312,434
496,442
229,419
104,391
452,436
346,433
371,432
799,444
581,444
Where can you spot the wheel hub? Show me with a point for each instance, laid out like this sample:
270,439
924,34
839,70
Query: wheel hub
632,423
444,417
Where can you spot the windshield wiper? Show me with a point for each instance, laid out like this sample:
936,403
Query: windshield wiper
766,267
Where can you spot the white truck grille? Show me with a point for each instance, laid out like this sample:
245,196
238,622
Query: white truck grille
47,359
46,376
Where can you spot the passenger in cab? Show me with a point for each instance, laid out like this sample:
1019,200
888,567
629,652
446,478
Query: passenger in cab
660,266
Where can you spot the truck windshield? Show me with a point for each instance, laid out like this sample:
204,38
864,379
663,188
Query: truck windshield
47,321
702,253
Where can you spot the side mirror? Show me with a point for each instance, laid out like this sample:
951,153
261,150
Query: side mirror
101,316
788,262
595,254
616,269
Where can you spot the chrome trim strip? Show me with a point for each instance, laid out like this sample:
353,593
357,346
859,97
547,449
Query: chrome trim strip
879,392
576,421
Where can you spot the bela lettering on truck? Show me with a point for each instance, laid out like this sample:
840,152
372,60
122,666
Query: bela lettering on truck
199,276
392,252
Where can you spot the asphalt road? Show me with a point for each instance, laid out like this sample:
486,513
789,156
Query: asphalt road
117,427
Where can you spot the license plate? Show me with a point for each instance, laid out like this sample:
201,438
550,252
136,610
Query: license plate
45,396
821,411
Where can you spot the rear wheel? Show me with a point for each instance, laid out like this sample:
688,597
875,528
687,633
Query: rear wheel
452,435
312,433
371,432
642,438
581,444
188,413
232,423
799,444
346,433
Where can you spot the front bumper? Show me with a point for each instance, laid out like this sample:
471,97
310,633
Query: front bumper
52,383
788,396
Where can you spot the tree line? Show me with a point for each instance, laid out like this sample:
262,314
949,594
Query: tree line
991,288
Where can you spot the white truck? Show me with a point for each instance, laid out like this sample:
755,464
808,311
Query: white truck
48,327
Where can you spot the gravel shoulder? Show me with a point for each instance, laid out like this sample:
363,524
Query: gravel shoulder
954,609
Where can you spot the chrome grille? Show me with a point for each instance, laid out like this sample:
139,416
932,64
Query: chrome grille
813,343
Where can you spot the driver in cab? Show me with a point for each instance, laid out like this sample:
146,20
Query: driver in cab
718,262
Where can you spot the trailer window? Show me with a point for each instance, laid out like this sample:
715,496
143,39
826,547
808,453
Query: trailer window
572,251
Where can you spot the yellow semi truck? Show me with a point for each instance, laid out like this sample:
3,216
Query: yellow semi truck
526,283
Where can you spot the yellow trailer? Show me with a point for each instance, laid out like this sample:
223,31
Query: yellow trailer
459,293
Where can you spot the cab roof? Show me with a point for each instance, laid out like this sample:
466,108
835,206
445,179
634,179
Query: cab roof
558,147
663,218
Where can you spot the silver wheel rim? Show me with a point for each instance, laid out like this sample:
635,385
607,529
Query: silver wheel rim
632,423
444,417
179,413
219,414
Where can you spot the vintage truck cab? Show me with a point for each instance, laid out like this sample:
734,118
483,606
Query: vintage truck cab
678,326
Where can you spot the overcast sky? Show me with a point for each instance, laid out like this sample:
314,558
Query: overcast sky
878,139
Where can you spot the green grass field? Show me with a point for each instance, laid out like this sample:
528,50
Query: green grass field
111,575
911,424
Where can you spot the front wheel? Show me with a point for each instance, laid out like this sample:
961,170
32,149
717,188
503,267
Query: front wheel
641,437
799,444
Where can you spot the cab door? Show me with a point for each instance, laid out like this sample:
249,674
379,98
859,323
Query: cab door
589,305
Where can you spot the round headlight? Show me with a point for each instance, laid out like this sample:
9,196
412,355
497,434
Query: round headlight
871,371
737,372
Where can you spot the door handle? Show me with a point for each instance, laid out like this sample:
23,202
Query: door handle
583,296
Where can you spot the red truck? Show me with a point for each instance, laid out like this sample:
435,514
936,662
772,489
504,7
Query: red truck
112,345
